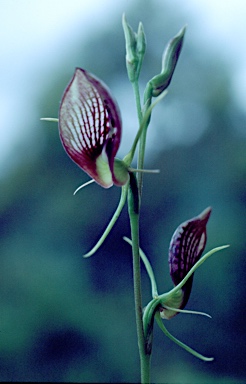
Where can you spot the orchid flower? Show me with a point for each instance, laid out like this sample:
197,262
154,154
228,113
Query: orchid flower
186,247
185,250
90,129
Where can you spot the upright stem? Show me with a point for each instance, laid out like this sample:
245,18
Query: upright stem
138,101
134,195
142,140
141,153
134,223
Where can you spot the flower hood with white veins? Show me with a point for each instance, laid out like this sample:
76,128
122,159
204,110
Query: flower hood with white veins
90,129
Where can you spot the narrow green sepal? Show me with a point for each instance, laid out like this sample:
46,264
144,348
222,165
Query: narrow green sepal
83,186
112,222
149,269
186,311
168,296
53,119
174,297
178,342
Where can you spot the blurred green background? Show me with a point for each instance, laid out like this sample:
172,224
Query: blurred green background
65,318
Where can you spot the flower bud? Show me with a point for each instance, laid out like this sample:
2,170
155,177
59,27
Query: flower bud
141,40
169,60
90,128
135,49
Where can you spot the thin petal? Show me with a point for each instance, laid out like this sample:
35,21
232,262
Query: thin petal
90,126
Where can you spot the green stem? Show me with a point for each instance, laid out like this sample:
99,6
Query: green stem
138,101
141,153
142,127
142,140
134,223
134,193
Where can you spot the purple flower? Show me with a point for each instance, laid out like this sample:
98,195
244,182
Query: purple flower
90,129
186,247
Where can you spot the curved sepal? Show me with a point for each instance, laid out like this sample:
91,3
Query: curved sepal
180,343
170,298
112,222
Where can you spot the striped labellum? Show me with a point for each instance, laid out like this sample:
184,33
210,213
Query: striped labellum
186,247
90,129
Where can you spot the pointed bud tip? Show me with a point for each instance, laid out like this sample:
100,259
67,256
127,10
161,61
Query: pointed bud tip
124,18
182,30
140,27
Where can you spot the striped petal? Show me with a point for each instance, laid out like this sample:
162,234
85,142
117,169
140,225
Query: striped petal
90,126
186,247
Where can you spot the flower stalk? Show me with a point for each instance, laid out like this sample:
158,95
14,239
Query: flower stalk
133,210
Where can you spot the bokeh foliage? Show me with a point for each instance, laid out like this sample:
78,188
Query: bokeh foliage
64,318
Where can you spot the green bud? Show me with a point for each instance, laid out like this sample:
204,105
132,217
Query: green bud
169,60
172,52
131,47
131,41
141,40
135,49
